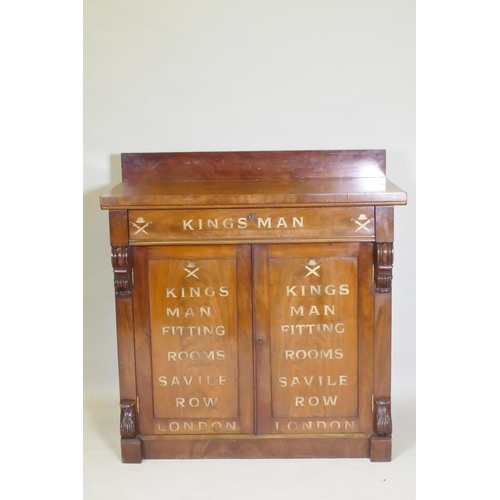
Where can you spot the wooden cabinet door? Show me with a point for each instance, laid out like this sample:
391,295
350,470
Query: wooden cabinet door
192,315
313,328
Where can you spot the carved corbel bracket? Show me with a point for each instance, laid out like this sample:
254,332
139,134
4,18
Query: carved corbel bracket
122,271
383,419
127,418
384,258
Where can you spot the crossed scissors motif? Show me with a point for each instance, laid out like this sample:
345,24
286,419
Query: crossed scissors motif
363,225
312,270
141,229
191,272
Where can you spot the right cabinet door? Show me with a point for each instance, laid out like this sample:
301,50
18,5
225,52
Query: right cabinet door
313,329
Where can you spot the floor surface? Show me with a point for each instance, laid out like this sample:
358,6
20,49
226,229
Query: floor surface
105,477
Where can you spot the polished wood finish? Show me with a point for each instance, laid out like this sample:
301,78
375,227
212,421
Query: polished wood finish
194,340
251,165
321,446
159,227
132,452
380,449
253,298
356,191
313,377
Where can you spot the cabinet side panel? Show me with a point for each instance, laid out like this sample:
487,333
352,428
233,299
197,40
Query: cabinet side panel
384,223
121,259
382,347
126,351
118,227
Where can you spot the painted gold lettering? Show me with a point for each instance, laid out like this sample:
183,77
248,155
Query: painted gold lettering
302,354
190,380
194,292
196,355
281,222
213,224
328,310
316,290
313,328
186,224
299,401
265,223
312,380
195,402
319,425
192,330
316,401
228,223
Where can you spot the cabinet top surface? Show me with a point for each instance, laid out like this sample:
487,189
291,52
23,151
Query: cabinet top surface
270,178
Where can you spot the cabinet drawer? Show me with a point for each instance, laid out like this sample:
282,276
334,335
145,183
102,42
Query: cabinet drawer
253,224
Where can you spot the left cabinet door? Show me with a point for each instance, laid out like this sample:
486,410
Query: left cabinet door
193,338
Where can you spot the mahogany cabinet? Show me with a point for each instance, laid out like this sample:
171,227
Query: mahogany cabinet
253,303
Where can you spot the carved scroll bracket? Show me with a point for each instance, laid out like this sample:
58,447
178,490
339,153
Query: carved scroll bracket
122,271
383,419
128,418
384,258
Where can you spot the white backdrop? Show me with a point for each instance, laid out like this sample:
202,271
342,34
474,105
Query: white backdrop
198,75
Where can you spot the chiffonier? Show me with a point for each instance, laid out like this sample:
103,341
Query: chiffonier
253,303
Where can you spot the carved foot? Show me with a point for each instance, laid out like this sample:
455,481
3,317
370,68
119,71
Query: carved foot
380,448
131,451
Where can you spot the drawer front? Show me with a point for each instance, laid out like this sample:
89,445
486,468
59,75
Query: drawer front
251,225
